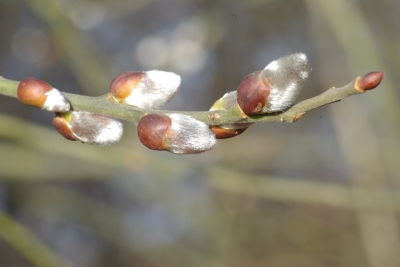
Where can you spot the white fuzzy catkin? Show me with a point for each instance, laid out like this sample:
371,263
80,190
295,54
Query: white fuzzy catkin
154,90
189,136
95,129
56,101
286,76
227,101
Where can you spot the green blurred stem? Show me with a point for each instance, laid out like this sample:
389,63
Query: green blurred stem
27,244
109,107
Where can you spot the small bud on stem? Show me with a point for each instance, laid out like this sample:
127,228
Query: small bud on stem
224,133
369,81
89,128
153,130
38,93
61,125
176,133
151,89
252,93
122,85
275,88
226,102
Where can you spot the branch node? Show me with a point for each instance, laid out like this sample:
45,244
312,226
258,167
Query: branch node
297,116
242,114
214,116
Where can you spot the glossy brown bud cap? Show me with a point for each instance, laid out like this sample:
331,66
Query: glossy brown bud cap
61,125
35,92
369,81
252,93
276,87
153,130
32,91
224,133
150,89
123,84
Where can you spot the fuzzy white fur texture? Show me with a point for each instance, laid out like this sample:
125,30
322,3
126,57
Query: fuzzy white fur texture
189,136
56,101
286,76
154,90
94,129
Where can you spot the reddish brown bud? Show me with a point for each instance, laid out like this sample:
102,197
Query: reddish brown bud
153,130
176,133
224,133
252,93
40,94
226,102
62,127
150,89
122,85
31,91
369,81
275,88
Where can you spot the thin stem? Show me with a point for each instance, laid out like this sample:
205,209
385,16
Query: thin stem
108,107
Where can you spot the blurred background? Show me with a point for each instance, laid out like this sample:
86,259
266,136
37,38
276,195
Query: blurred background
322,192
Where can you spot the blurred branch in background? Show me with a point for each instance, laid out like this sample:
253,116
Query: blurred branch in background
94,74
27,244
78,48
305,192
36,138
115,223
220,179
351,37
379,230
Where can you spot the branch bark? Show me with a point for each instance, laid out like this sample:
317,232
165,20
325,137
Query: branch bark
108,107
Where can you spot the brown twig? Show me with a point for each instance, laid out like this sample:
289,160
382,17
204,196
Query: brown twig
108,107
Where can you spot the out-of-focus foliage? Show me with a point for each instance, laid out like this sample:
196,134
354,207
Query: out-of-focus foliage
321,192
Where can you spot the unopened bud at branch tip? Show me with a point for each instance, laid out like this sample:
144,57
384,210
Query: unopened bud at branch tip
369,81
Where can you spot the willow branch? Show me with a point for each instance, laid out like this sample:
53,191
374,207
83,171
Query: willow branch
106,106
